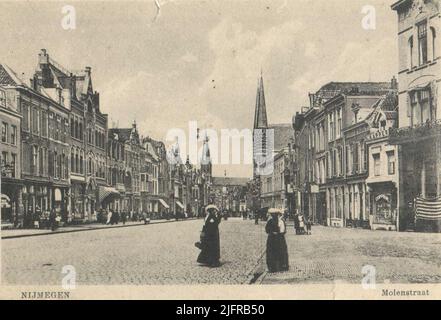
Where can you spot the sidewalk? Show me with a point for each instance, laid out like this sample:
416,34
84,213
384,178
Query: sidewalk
19,233
339,254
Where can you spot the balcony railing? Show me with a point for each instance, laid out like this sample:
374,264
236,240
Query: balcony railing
378,134
420,132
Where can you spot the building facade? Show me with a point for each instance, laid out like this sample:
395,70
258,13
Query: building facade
417,138
10,165
332,156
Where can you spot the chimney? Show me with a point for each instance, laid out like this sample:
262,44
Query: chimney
43,57
46,79
88,70
394,83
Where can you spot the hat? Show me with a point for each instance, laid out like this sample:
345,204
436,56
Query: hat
211,206
275,211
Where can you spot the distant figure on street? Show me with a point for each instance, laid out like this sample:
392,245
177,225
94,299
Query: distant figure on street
308,226
210,240
53,219
296,223
123,217
256,217
276,248
109,217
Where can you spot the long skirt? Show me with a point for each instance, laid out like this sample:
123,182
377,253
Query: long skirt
277,253
210,252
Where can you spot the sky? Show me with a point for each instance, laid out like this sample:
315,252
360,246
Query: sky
200,60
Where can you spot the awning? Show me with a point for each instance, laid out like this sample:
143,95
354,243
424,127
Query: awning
180,204
164,204
105,192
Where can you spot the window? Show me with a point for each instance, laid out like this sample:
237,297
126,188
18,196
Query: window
72,128
41,161
348,159
355,157
331,127
432,29
34,159
4,132
422,42
420,107
25,113
339,123
410,57
72,161
44,124
4,158
377,168
35,120
390,162
80,131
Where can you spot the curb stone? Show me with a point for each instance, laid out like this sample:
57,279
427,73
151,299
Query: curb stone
88,229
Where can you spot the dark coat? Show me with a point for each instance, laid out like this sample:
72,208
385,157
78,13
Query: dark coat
210,249
276,248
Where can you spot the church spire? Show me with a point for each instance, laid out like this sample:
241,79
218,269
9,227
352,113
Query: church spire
260,118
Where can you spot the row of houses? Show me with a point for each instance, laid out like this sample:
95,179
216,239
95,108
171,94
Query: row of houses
57,151
367,154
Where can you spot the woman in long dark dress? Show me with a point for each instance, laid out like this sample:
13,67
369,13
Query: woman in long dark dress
210,241
276,248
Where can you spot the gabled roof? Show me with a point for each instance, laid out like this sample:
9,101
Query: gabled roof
124,134
355,87
8,77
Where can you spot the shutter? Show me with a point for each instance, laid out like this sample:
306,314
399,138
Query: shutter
408,104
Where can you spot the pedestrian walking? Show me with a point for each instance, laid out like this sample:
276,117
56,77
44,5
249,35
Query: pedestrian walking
308,226
276,248
123,218
209,239
109,217
53,219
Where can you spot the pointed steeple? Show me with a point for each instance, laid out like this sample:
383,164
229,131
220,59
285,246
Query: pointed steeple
206,159
260,118
206,167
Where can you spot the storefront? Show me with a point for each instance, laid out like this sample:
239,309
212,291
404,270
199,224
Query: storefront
11,201
420,176
383,206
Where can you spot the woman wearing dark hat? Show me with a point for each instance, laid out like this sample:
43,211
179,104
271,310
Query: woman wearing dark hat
276,248
210,242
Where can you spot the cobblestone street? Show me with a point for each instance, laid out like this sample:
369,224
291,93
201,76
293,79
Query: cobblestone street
340,253
153,254
165,254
